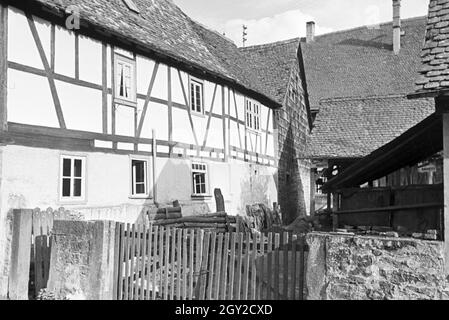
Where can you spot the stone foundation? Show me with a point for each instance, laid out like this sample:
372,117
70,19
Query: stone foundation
368,268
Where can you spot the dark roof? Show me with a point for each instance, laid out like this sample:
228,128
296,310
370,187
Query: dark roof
416,144
435,54
353,128
273,64
361,62
161,27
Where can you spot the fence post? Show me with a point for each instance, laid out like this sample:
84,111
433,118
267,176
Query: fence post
19,275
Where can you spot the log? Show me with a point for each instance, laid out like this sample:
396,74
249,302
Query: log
168,210
195,220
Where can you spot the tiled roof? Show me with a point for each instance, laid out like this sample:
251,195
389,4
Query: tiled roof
435,54
353,128
163,28
361,62
272,63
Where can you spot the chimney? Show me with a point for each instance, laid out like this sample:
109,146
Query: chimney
396,26
310,31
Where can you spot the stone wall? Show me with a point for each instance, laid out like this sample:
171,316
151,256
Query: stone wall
343,267
293,175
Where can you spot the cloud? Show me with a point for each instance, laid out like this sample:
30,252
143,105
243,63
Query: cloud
283,26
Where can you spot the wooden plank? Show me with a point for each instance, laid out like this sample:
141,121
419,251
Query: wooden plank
285,273
127,261
20,254
246,267
224,282
123,243
52,47
191,264
38,263
253,284
204,267
116,260
223,116
211,267
301,269
49,74
270,266
238,272
217,282
132,275
137,277
155,262
77,56
170,109
294,268
179,265
143,255
148,254
161,262
172,264
276,265
232,267
185,266
166,264
261,267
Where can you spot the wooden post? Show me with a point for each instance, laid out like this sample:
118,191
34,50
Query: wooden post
20,255
219,200
3,65
154,149
445,118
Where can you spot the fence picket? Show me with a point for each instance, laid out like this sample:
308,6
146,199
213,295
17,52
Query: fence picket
204,267
246,264
294,266
162,232
149,261
156,262
270,266
191,264
143,257
126,260
285,273
132,262
179,265
218,268
224,276
210,283
136,278
185,266
239,267
276,266
172,267
261,273
166,263
301,269
253,284
232,267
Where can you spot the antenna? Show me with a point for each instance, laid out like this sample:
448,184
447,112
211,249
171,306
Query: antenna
245,33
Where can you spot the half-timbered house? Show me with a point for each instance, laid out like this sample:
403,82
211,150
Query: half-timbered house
116,106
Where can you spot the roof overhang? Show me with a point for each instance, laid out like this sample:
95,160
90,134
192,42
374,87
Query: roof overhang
418,143
99,32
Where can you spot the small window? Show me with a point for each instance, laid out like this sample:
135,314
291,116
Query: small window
196,96
252,115
139,181
199,178
125,79
73,178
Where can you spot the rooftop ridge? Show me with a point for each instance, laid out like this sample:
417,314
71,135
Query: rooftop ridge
359,98
270,45
382,24
210,29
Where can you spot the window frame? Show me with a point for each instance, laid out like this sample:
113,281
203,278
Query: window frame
121,58
251,126
72,198
206,179
200,83
148,193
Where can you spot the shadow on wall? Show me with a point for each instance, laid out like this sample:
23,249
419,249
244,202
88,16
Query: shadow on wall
254,190
291,189
174,183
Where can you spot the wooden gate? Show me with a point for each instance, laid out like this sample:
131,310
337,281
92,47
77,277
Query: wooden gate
157,263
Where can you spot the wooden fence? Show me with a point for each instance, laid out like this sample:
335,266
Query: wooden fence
158,263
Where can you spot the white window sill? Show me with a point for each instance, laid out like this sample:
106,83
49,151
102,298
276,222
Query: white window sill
201,196
142,197
125,102
198,114
72,202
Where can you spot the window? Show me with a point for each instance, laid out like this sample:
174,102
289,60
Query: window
196,96
139,180
125,79
73,178
199,178
252,115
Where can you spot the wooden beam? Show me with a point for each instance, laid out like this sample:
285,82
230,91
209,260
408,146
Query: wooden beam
238,121
104,83
49,73
147,100
446,189
170,108
189,111
77,56
223,116
210,116
3,66
52,47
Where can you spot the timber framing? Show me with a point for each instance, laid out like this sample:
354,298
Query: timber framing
103,34
3,66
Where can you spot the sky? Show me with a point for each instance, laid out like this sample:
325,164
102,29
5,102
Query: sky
276,20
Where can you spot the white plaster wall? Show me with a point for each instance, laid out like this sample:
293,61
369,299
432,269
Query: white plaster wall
90,60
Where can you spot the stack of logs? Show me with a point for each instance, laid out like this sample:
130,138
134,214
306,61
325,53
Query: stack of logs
218,222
